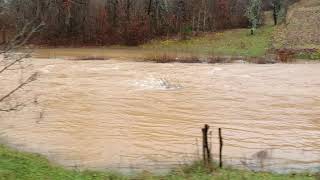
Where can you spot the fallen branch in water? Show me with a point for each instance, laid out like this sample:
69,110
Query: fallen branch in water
14,108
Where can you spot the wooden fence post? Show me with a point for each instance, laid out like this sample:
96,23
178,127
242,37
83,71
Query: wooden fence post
220,149
206,152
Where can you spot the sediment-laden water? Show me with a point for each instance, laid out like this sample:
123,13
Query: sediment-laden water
127,115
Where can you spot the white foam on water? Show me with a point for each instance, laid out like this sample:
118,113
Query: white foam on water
215,70
47,69
245,76
152,83
116,67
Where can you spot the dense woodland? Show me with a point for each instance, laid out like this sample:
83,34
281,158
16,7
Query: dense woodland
130,22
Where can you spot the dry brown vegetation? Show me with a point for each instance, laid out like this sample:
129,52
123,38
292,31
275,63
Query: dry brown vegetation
166,58
301,27
290,54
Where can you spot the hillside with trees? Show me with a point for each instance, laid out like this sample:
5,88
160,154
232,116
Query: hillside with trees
159,89
129,22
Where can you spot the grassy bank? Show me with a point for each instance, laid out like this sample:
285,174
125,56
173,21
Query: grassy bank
26,166
216,47
236,42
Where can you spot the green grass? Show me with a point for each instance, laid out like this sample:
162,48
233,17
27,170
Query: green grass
236,42
26,166
16,165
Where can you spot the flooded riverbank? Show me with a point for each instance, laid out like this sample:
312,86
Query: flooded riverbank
120,53
128,115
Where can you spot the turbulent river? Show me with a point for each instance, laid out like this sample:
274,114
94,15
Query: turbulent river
129,116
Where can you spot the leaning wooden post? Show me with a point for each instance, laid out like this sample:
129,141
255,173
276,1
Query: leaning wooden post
220,149
205,147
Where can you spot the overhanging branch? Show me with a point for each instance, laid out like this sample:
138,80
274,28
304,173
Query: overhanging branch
33,77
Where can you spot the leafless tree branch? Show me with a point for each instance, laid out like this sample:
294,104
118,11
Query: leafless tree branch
26,28
11,60
33,77
19,59
24,36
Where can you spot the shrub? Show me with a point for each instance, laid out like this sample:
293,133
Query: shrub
285,55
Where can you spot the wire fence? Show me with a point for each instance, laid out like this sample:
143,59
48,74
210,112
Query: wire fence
241,155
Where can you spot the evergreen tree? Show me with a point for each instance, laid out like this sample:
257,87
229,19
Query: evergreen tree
253,13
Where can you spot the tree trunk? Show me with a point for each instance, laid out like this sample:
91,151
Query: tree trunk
275,15
3,35
199,19
149,7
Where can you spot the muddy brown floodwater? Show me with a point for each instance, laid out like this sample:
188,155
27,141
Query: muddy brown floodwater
133,115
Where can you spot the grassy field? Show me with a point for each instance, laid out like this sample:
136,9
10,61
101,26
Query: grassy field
299,32
236,42
214,46
16,165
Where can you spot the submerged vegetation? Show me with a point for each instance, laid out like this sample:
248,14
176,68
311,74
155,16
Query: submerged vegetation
16,165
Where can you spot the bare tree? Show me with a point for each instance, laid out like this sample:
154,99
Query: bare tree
10,60
105,22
